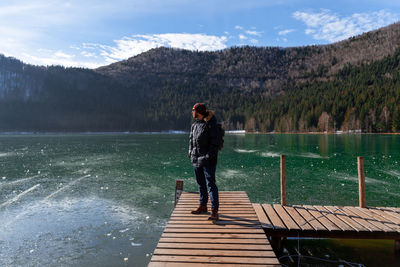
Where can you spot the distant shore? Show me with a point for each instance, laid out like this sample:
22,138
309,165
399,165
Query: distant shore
185,132
327,133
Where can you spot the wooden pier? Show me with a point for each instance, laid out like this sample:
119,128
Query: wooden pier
329,221
237,239
362,222
241,236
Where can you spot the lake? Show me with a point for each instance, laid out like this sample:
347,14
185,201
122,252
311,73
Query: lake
104,199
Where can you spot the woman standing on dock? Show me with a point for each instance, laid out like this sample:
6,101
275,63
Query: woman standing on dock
203,152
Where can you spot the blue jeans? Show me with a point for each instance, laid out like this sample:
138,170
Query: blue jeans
205,177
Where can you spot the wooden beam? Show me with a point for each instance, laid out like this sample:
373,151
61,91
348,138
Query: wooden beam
178,190
397,246
361,182
283,180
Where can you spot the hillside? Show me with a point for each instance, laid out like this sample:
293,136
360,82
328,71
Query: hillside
263,69
349,85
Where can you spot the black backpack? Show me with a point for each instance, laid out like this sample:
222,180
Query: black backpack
221,134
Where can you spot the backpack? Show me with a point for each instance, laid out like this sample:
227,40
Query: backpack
221,134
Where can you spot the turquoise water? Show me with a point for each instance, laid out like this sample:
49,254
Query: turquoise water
103,200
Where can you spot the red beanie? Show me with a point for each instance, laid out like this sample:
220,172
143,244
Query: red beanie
200,108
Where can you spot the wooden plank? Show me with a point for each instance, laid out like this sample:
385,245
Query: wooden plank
397,210
233,212
238,219
287,220
222,209
371,219
303,224
376,216
197,200
386,214
221,192
197,197
330,226
221,203
224,214
384,219
192,198
214,226
214,230
235,219
273,217
342,225
214,246
221,215
220,260
214,252
380,226
344,217
220,197
241,241
309,218
230,207
184,264
224,201
359,220
211,235
394,211
262,217
220,221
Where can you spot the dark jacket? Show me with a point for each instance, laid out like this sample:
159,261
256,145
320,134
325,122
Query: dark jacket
203,141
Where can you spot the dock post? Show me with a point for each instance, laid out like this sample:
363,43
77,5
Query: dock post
178,190
361,182
397,246
283,180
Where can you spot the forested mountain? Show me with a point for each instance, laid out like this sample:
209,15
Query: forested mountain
349,85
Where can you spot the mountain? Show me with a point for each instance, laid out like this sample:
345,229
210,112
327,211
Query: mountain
348,85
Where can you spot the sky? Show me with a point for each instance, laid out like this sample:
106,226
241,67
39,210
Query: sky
93,33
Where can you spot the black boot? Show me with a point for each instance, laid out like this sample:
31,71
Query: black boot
214,215
201,209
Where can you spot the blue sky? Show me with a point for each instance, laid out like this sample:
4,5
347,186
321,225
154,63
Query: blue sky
92,33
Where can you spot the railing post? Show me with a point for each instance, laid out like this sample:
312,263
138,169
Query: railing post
361,182
283,180
178,190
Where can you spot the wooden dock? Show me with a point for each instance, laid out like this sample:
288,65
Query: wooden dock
241,236
237,239
329,221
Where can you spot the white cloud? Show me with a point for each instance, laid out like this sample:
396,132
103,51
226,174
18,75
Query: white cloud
254,33
136,44
309,31
282,39
285,32
242,37
62,55
88,54
328,26
57,58
237,27
254,41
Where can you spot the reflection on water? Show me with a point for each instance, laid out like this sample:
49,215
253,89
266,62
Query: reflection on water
99,199
340,252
